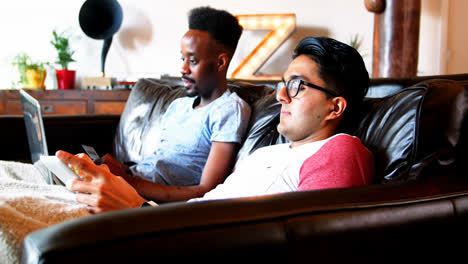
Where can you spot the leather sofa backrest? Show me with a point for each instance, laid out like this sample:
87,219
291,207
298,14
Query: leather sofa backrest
140,119
379,87
417,131
443,128
414,130
147,102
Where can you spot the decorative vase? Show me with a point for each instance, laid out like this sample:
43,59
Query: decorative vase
35,79
65,79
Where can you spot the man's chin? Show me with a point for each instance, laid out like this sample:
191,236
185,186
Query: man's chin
279,128
190,92
284,131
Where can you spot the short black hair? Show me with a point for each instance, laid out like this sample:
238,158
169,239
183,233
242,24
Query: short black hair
341,67
222,26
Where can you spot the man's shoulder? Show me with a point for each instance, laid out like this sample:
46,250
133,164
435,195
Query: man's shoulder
345,144
237,98
232,101
182,100
345,138
234,98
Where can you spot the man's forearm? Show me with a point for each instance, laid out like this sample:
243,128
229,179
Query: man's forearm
163,193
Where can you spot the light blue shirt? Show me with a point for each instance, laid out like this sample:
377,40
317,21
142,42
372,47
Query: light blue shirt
186,138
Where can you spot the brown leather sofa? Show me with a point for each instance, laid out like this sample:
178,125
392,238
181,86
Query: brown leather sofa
416,209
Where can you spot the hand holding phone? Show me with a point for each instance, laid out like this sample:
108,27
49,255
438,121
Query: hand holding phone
59,168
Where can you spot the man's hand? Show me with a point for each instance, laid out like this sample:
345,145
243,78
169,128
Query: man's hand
115,166
101,190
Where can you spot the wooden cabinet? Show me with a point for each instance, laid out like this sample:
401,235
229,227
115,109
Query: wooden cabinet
67,102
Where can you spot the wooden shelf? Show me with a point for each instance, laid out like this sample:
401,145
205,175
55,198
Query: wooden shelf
67,102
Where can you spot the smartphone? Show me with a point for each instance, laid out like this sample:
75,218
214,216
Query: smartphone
91,152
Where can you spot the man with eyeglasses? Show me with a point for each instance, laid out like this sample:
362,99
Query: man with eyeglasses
322,87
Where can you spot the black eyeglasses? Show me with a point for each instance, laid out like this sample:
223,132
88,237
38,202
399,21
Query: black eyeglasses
292,87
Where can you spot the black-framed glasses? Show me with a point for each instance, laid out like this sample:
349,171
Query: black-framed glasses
293,85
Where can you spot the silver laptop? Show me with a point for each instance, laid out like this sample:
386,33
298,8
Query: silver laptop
37,138
34,126
35,133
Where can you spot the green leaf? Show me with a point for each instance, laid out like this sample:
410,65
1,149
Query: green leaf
64,52
23,62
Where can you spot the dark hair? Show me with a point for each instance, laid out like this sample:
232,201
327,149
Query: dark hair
341,67
221,25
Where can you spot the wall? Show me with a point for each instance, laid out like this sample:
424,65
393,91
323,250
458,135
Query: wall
457,37
148,43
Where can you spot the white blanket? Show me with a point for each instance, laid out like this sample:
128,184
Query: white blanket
28,203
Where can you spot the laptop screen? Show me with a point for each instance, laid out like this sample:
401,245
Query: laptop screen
34,126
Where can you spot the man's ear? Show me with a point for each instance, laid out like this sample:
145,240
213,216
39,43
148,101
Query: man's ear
337,107
223,62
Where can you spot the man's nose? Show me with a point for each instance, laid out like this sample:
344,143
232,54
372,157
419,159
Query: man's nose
282,95
185,68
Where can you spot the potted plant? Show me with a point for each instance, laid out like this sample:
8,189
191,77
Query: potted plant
32,74
65,77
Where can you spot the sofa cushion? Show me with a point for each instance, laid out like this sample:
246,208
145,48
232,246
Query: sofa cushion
389,129
443,128
410,131
140,120
262,128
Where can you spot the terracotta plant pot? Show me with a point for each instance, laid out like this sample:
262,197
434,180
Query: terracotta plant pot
65,79
36,79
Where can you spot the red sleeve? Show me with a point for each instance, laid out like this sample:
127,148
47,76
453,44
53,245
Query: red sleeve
341,162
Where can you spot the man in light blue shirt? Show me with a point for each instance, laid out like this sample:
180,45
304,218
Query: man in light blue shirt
201,133
187,135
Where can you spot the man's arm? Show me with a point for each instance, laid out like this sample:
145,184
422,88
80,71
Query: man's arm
101,190
342,162
218,166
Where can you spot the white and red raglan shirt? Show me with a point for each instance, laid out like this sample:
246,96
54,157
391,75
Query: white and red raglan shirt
336,162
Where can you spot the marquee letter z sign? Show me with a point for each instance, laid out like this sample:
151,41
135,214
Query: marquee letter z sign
281,26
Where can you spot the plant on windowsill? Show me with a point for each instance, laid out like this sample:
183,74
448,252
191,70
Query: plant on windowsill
65,77
32,74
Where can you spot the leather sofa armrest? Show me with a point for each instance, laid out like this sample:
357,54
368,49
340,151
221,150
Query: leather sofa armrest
275,226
